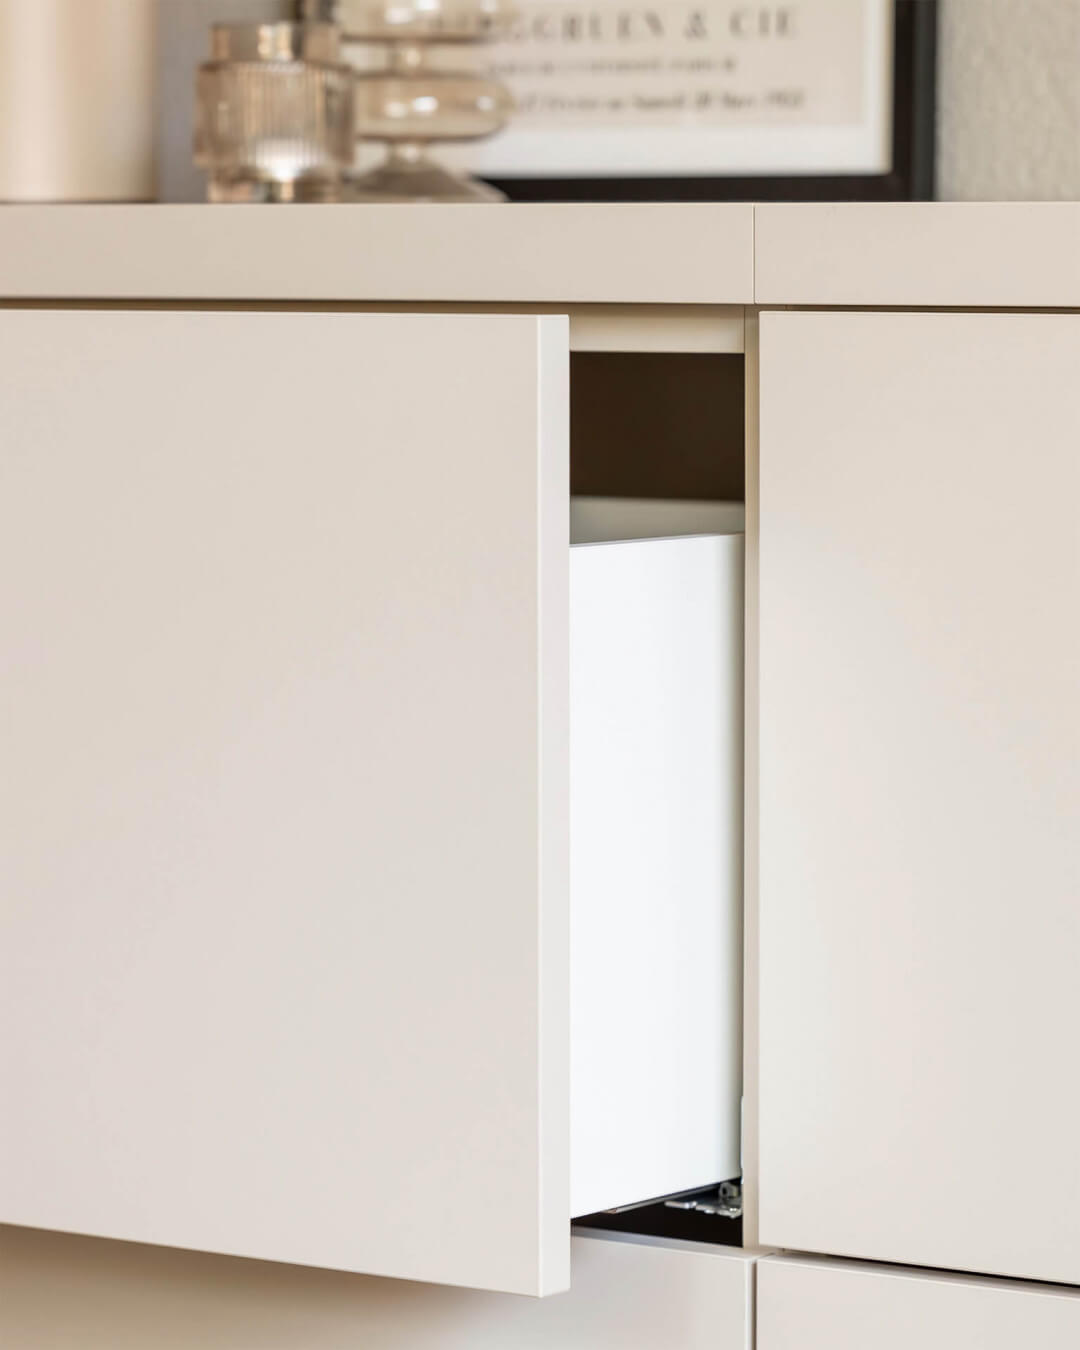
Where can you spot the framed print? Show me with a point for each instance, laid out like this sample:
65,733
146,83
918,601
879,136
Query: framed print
716,100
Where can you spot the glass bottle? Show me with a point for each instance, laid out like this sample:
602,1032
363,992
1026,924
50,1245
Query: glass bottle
275,113
419,89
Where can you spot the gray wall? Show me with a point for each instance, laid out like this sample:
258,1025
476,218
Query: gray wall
1009,127
1009,97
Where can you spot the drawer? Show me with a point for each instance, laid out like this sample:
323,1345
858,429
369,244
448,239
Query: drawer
656,860
63,1293
354,916
815,1304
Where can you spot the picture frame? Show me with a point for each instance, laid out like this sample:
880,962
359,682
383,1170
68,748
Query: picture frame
909,175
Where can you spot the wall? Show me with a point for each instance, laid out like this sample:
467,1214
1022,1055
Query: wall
1010,100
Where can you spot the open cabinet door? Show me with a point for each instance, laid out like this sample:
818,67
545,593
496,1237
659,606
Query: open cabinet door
283,806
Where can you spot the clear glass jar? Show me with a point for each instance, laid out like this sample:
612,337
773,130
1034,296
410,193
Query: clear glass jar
275,119
411,94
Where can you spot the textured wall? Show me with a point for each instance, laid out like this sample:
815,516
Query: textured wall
1009,100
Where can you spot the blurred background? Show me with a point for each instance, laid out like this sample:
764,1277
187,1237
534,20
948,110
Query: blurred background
964,100
1008,100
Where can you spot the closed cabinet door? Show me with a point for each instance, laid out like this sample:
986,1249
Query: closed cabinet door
812,1304
283,799
919,801
59,1292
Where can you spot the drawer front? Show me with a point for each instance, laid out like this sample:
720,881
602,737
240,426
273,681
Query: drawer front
835,1305
919,795
283,859
65,1293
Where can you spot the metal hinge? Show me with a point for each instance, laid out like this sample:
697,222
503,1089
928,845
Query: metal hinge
723,1203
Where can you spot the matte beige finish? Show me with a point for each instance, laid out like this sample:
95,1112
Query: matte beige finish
658,328
803,1304
77,100
751,979
965,255
919,857
961,255
566,254
717,329
66,1293
283,959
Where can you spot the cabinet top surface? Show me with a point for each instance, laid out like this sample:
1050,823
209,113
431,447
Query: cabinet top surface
1022,255
648,254
964,254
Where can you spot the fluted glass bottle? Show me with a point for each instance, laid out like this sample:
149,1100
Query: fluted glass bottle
416,92
275,113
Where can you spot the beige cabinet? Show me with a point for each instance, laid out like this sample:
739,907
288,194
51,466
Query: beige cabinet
59,1292
920,789
806,1304
286,735
287,892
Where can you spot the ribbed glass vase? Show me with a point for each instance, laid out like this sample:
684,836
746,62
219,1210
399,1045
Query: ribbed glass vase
412,92
275,113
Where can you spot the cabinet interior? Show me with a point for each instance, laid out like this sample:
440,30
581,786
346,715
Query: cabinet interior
657,426
664,435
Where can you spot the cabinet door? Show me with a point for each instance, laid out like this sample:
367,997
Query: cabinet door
283,809
808,1304
59,1292
920,789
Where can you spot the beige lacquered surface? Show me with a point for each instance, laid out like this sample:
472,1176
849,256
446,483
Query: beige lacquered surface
835,1305
919,858
283,868
603,254
65,1293
944,254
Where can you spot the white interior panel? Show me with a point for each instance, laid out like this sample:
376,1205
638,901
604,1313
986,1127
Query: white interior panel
656,875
